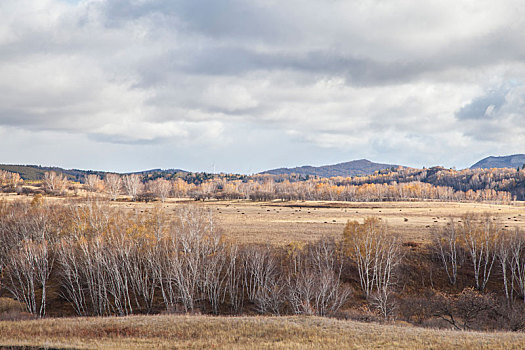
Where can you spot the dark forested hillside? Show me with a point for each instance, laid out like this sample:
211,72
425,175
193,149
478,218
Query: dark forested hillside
513,161
352,168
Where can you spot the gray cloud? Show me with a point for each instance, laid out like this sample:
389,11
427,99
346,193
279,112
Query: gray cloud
486,106
393,81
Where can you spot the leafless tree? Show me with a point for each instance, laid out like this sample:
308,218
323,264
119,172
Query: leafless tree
262,279
27,272
94,183
517,264
449,249
10,178
504,247
161,188
376,253
25,242
113,184
480,235
72,272
234,279
314,286
55,183
383,301
132,185
464,310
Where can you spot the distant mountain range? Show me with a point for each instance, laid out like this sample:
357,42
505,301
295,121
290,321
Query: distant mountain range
352,168
512,161
346,169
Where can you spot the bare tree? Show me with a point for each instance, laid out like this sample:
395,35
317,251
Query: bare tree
262,279
234,279
161,188
94,183
448,247
13,179
480,235
376,253
55,183
25,244
314,286
28,271
113,184
504,247
517,264
132,185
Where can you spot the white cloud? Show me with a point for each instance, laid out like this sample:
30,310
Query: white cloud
399,81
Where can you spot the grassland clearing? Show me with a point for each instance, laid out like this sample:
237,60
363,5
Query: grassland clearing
283,222
197,332
280,223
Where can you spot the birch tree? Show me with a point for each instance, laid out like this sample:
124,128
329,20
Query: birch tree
113,185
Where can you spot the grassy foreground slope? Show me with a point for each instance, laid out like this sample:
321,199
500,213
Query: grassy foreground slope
241,333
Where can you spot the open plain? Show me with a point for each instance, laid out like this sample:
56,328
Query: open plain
205,332
284,222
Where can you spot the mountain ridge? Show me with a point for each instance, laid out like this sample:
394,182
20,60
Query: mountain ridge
510,161
345,169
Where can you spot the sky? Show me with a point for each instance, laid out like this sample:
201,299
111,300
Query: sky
245,86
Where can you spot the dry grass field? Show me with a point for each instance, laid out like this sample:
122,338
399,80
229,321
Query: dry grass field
284,222
204,332
280,223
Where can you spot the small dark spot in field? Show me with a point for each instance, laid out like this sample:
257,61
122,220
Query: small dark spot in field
405,219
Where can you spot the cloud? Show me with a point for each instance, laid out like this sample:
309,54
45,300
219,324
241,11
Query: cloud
417,83
496,116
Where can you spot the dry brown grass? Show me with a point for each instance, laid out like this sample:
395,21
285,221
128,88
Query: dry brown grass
197,332
280,223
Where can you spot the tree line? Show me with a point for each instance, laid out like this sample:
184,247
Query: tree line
497,185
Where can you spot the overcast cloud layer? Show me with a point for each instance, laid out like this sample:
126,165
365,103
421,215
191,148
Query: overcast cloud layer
249,85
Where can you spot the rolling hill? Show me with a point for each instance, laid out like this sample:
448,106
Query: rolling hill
36,172
512,161
352,168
